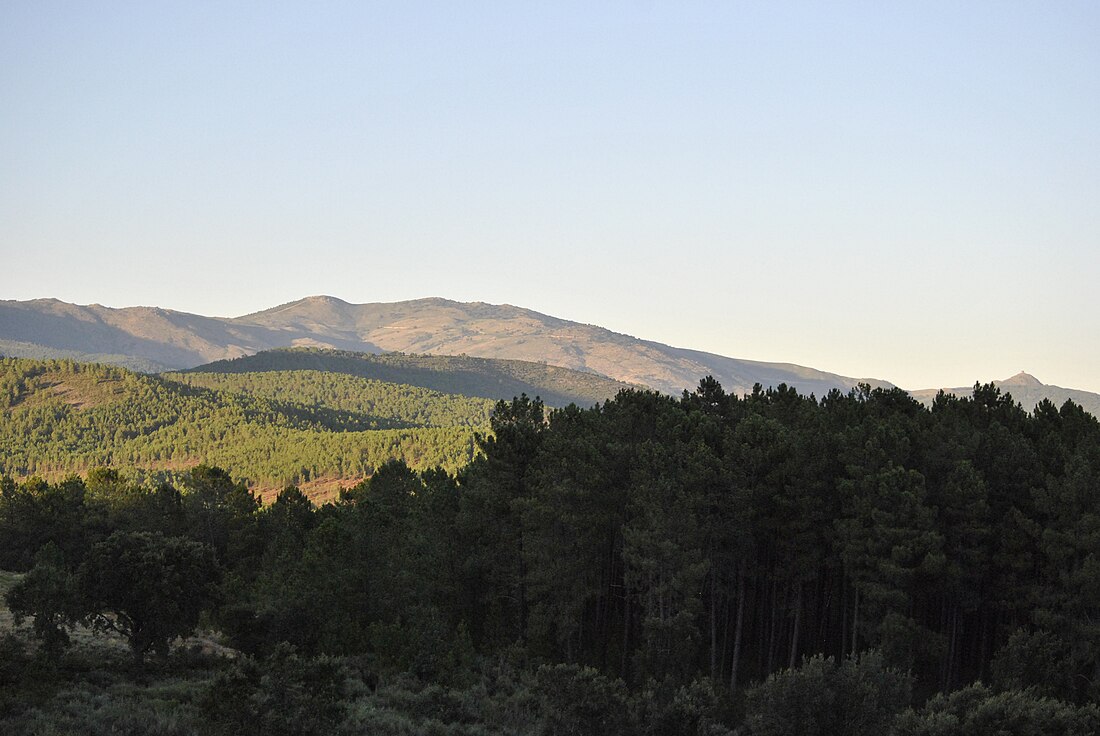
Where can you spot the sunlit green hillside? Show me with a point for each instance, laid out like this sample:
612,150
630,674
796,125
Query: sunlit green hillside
58,417
387,404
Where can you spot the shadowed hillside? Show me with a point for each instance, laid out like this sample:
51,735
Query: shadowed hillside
464,375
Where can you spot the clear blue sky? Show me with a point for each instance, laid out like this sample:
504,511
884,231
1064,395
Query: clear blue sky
909,191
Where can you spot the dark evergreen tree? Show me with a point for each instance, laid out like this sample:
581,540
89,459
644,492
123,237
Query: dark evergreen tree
147,587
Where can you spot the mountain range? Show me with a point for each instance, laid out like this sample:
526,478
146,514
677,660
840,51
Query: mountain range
152,339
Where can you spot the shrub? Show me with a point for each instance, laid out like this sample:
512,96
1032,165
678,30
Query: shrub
978,710
859,697
283,695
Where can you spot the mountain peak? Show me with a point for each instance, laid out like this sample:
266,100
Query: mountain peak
322,299
1022,379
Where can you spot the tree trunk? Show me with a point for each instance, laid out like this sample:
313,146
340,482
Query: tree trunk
843,615
626,635
522,593
797,626
954,649
855,623
773,626
713,627
737,632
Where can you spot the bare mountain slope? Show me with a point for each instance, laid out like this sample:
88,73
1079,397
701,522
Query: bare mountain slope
167,338
440,326
432,326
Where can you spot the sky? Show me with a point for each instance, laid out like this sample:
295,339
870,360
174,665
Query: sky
899,190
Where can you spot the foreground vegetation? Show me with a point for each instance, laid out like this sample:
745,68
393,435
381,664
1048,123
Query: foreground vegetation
770,564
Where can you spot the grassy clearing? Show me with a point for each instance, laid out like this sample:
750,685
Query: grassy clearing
79,390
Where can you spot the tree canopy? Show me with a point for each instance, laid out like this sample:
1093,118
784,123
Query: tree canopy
849,564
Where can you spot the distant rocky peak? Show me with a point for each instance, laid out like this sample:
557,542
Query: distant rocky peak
1022,379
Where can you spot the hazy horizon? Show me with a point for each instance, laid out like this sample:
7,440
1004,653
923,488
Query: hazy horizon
904,193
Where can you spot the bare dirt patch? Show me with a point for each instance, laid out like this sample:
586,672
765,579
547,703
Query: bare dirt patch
319,490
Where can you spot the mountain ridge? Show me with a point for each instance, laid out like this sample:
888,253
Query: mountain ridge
430,325
155,339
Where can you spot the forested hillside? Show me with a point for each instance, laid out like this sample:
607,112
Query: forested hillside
396,404
59,417
450,374
773,564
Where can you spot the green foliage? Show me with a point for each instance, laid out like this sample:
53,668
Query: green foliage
351,402
220,511
282,695
60,417
373,574
665,566
581,700
148,587
36,513
977,710
888,543
102,702
1036,661
693,709
501,702
21,675
496,489
859,697
48,593
634,566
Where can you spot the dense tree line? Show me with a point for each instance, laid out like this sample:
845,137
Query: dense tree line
773,562
731,536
